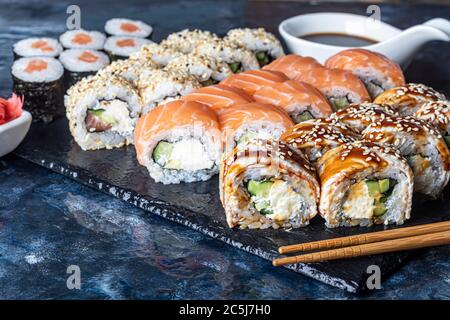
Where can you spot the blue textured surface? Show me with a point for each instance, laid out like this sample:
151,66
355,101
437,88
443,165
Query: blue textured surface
48,222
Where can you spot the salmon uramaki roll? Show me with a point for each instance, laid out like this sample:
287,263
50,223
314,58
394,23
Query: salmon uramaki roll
246,122
421,145
265,184
376,71
293,65
300,100
179,142
218,96
364,184
252,80
409,98
438,114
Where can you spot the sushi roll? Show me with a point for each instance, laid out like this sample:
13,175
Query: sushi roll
265,46
37,47
314,138
179,142
128,69
266,184
128,28
252,80
102,112
205,69
245,122
421,145
39,80
80,63
159,86
82,39
364,184
185,41
409,98
120,47
293,66
300,100
218,97
376,71
160,54
360,116
438,114
239,59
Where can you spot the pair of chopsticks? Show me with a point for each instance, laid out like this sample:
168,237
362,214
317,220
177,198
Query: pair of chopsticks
421,236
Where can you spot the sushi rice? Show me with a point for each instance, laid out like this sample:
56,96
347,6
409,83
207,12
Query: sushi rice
82,39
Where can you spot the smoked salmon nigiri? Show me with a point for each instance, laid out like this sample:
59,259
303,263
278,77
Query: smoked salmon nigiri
179,141
218,96
293,65
300,100
246,122
252,80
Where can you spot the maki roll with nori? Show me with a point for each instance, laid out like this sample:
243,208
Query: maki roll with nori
185,41
207,70
102,112
263,44
121,47
179,142
82,39
438,114
128,28
80,63
238,58
266,184
364,184
39,80
409,98
421,145
37,47
376,71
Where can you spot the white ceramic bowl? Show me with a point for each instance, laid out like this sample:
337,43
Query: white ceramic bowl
13,132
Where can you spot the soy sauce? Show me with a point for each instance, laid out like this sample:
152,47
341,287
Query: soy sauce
339,39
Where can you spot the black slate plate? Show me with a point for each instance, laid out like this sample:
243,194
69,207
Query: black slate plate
197,205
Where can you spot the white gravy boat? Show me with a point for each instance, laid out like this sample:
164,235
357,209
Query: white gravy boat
398,45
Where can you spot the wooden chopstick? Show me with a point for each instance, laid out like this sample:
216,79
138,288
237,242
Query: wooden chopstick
367,237
401,244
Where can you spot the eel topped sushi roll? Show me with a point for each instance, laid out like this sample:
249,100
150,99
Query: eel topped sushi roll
364,184
300,100
82,39
179,142
39,80
263,44
421,145
128,27
102,112
159,86
409,98
37,47
218,96
360,116
128,69
207,70
313,138
159,53
80,63
252,80
245,122
266,184
121,47
376,71
438,114
239,59
185,41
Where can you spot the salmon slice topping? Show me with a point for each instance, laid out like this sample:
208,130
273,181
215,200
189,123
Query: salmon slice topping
36,65
126,43
41,45
88,57
82,38
129,27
